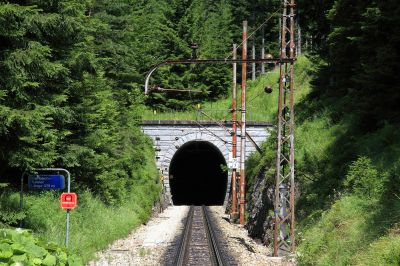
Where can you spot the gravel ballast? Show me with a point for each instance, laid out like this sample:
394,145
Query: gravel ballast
155,242
147,244
245,249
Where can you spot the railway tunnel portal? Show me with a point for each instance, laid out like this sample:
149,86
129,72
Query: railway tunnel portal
192,157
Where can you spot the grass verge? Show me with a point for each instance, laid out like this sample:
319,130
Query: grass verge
93,225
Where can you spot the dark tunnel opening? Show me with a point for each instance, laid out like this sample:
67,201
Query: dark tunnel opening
196,175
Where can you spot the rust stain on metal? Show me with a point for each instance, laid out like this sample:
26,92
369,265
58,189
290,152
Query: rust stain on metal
234,137
243,127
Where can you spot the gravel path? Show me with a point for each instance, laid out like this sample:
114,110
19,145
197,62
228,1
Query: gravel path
147,244
244,248
155,242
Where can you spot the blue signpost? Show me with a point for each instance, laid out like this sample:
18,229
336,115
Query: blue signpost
47,182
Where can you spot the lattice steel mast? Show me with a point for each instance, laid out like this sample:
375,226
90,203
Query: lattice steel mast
284,239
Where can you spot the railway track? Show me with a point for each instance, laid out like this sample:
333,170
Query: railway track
199,245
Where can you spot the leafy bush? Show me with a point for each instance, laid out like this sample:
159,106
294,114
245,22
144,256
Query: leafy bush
9,206
20,247
363,178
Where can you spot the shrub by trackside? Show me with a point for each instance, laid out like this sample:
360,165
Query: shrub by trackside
19,247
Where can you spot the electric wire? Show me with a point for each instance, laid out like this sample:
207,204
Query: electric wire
254,31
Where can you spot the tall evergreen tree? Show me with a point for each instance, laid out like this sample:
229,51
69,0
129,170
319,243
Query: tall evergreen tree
65,100
208,24
33,87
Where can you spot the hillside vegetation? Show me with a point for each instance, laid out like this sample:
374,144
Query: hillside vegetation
65,102
71,95
348,211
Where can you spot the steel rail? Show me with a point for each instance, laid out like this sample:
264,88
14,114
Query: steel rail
184,245
212,237
182,257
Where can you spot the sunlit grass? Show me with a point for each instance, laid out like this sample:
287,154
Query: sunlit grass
93,225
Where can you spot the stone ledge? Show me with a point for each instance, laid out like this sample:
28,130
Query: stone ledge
201,122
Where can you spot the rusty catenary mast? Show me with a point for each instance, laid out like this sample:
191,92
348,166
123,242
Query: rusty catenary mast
234,137
284,239
243,127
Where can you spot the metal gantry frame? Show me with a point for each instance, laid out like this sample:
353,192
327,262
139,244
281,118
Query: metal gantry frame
147,87
284,231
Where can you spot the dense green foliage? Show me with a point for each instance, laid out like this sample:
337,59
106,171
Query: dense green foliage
214,26
65,101
206,23
93,224
348,210
19,246
71,96
356,89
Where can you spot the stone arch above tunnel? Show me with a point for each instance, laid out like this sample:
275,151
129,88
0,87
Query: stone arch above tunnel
169,135
221,145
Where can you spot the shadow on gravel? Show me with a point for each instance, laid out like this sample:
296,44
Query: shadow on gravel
243,242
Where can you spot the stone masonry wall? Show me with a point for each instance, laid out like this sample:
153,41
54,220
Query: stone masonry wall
169,136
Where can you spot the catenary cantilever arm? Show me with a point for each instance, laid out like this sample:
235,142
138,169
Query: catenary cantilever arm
209,62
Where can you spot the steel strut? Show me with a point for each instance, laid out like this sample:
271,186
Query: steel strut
284,227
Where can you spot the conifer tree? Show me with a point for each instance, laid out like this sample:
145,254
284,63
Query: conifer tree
63,94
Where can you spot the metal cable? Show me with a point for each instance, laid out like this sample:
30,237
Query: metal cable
212,133
254,31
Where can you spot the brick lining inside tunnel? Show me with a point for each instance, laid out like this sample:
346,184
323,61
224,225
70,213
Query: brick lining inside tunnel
196,175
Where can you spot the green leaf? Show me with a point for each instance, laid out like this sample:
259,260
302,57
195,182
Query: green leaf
74,261
50,260
19,258
52,246
37,261
5,251
35,251
62,257
18,248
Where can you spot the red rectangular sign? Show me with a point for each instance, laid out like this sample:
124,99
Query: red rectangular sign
68,200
